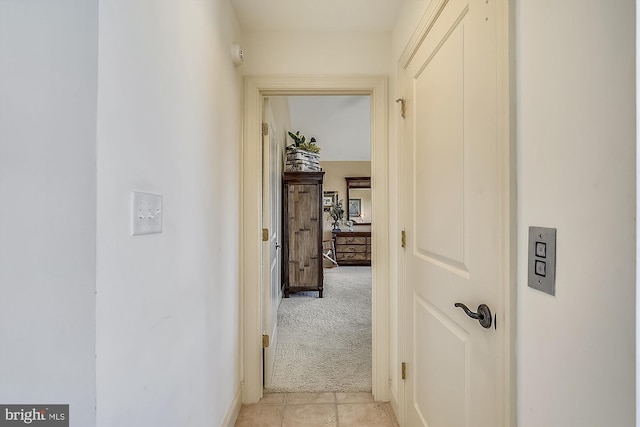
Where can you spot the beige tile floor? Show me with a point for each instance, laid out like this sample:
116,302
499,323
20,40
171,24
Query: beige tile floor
317,410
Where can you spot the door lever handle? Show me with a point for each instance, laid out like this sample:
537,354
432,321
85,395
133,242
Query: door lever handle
483,315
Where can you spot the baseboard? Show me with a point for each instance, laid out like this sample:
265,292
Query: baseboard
233,411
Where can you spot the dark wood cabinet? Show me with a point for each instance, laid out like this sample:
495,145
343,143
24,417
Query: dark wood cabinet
302,232
353,247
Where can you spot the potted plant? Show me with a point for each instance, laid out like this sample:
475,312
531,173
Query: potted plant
300,142
336,213
302,155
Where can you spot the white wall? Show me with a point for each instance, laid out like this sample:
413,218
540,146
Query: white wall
168,123
315,53
576,172
48,89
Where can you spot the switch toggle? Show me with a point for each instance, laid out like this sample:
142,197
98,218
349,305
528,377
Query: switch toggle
541,268
542,259
541,249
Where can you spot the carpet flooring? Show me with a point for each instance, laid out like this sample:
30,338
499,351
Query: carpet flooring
324,344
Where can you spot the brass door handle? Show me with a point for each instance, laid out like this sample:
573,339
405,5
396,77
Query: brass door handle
483,315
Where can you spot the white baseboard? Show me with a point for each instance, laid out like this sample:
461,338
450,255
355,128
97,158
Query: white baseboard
233,411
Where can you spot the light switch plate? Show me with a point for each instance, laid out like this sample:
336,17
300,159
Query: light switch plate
542,259
146,213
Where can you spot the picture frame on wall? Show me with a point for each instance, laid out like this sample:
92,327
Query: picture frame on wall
328,199
355,208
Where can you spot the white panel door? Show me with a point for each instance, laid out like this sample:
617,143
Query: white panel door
452,219
271,220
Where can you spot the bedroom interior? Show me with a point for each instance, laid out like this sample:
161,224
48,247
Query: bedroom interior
324,344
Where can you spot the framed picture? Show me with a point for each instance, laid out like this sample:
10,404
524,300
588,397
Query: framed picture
355,207
328,199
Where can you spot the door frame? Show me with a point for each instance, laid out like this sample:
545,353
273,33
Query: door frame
255,89
506,135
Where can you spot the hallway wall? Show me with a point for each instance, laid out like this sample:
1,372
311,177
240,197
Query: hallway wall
576,172
168,123
48,90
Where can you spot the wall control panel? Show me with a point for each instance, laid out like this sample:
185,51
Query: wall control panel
542,259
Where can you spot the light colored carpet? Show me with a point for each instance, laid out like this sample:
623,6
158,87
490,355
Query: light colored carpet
324,344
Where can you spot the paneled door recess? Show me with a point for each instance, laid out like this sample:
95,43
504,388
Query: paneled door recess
302,232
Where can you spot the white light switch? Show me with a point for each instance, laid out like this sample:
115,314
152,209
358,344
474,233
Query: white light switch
147,213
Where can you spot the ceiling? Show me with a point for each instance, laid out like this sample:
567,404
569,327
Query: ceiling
340,124
316,15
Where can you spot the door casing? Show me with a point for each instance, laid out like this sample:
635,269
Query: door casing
255,89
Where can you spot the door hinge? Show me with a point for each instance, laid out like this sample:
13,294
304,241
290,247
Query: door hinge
404,239
265,234
404,371
403,108
265,341
265,129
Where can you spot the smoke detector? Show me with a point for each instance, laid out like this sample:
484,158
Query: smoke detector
237,54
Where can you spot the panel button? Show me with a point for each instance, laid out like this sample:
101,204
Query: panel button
541,268
541,249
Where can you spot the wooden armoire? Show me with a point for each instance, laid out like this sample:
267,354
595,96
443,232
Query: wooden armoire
302,232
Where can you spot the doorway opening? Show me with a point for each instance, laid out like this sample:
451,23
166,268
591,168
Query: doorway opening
256,89
320,343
